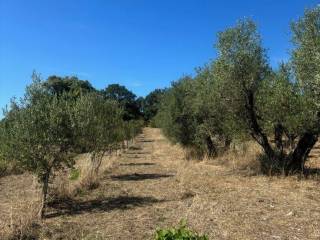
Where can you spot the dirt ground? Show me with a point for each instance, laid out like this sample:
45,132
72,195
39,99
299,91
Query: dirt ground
152,186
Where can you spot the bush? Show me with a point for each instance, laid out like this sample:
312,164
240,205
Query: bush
181,232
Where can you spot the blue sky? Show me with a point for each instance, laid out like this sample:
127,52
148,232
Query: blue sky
142,44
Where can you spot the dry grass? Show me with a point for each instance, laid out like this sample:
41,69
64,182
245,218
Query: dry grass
20,197
152,185
66,187
241,158
19,207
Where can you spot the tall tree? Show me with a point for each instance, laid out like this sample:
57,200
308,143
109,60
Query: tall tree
125,98
151,103
75,87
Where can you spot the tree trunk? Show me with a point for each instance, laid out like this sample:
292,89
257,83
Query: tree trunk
45,185
298,157
255,129
212,151
296,160
278,133
96,160
227,143
291,139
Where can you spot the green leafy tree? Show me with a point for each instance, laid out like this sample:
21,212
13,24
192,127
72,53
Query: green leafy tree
245,68
306,55
75,87
37,134
282,106
125,98
176,116
151,103
216,126
98,126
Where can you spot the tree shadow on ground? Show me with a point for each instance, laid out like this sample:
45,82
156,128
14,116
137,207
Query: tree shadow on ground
139,177
137,153
134,157
137,164
135,148
311,172
75,207
145,140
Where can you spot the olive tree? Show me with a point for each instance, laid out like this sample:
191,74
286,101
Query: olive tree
306,54
245,69
98,126
151,103
38,135
216,123
282,105
126,99
176,116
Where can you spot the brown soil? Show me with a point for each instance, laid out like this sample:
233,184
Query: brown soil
152,186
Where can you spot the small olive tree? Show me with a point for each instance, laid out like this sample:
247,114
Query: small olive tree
97,126
37,134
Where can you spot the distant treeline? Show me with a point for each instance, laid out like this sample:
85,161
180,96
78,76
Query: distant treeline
133,107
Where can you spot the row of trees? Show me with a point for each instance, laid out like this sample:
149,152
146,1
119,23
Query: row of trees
238,96
61,117
133,107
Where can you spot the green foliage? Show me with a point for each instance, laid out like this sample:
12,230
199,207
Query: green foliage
306,62
60,85
37,133
151,104
241,65
126,99
74,174
180,232
132,128
40,128
280,101
97,123
175,117
306,55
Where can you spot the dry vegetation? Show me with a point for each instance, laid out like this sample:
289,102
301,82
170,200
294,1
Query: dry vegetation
152,185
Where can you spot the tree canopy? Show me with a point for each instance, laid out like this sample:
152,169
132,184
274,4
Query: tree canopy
126,99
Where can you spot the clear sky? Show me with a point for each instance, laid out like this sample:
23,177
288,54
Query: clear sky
142,44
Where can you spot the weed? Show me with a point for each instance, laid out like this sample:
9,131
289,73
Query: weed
181,232
74,174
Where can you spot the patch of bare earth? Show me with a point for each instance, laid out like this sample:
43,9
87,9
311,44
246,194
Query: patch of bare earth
151,186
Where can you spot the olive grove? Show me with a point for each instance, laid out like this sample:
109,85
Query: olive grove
239,96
